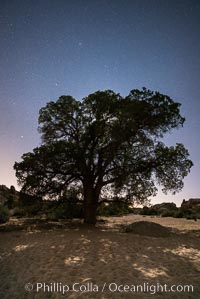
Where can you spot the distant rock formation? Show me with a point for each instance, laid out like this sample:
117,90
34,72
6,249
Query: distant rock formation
192,205
19,204
8,196
165,207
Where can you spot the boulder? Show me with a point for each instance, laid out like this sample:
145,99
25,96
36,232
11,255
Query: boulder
146,228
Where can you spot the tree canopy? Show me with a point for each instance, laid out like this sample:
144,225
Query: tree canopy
106,144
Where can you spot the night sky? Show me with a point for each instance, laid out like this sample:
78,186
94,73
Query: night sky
73,47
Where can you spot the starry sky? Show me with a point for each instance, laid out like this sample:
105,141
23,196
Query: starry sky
75,47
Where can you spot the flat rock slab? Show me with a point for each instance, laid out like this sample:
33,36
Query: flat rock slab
146,228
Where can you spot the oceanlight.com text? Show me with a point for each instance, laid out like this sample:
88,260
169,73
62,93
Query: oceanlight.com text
112,287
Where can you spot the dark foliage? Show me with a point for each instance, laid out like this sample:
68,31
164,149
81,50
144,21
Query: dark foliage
105,144
4,214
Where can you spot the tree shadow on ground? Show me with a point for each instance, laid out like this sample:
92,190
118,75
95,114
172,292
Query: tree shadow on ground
95,255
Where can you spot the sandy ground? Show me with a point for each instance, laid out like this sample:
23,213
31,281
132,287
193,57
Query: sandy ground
92,257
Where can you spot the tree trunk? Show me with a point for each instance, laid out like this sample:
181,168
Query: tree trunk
90,212
90,205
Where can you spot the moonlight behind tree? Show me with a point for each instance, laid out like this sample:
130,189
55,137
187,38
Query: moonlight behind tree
106,142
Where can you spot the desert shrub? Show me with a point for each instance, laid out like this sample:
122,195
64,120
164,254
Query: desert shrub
149,211
113,209
168,214
55,214
30,205
33,210
64,210
10,203
26,211
198,215
18,212
4,214
135,211
104,210
191,214
191,217
179,214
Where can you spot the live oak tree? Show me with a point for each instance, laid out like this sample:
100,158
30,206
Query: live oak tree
106,142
